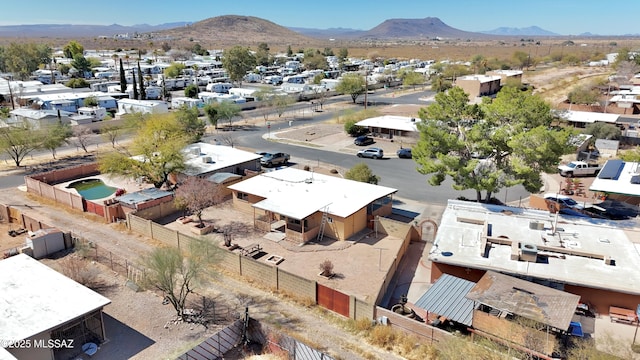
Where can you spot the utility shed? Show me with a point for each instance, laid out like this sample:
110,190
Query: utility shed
45,242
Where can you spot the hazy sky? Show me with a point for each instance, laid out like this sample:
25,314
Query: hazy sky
565,17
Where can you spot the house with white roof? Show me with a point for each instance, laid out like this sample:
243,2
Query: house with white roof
303,204
583,118
506,75
204,160
620,180
388,126
593,258
40,307
36,119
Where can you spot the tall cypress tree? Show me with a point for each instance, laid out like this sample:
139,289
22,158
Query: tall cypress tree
143,93
135,86
123,79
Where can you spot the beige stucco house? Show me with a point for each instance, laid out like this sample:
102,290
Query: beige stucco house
301,204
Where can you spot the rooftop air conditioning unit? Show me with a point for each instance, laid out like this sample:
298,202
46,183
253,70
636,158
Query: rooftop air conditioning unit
195,151
207,159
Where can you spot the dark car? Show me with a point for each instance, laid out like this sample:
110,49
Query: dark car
363,140
404,153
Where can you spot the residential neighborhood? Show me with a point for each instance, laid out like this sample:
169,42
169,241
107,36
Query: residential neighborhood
238,202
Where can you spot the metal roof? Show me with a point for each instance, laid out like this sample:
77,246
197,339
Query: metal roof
143,196
219,178
526,299
447,298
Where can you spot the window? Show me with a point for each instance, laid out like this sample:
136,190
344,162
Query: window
243,196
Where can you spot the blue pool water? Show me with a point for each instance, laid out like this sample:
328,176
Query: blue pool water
92,189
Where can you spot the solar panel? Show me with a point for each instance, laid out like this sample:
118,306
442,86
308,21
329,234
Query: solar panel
611,170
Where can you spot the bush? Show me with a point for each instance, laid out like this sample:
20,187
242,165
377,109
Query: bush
326,267
354,130
383,336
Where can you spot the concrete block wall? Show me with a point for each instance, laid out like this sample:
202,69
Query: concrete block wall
297,285
167,236
359,309
263,273
230,261
139,225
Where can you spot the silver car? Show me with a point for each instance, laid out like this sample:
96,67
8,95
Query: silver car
374,153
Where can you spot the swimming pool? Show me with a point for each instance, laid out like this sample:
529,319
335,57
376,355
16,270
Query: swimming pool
92,189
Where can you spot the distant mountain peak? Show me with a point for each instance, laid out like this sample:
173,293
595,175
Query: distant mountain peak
526,31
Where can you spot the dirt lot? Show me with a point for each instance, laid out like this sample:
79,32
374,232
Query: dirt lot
555,83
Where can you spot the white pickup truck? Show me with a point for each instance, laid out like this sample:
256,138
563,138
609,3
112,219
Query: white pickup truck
579,168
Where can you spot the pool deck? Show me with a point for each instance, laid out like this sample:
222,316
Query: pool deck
117,182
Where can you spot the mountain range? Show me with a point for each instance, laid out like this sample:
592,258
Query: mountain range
234,29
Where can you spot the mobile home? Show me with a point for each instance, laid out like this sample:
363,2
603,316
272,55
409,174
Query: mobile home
130,106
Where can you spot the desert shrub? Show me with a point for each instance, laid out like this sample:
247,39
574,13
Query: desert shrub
383,337
307,168
360,326
354,130
79,270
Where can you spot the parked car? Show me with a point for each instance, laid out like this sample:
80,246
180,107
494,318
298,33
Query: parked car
404,153
274,159
579,168
363,140
374,153
564,201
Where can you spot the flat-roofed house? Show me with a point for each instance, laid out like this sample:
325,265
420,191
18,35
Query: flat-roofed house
592,258
41,307
303,204
388,126
506,75
479,85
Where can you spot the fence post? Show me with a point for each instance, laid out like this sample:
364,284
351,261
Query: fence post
111,259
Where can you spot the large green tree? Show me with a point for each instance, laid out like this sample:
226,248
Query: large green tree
238,61
174,70
502,143
157,149
191,125
19,141
227,110
72,49
55,136
22,59
362,173
82,64
352,84
262,54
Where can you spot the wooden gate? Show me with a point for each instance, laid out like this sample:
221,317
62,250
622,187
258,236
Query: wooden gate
333,300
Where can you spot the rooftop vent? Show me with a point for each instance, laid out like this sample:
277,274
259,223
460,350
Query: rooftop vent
195,151
529,252
207,159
